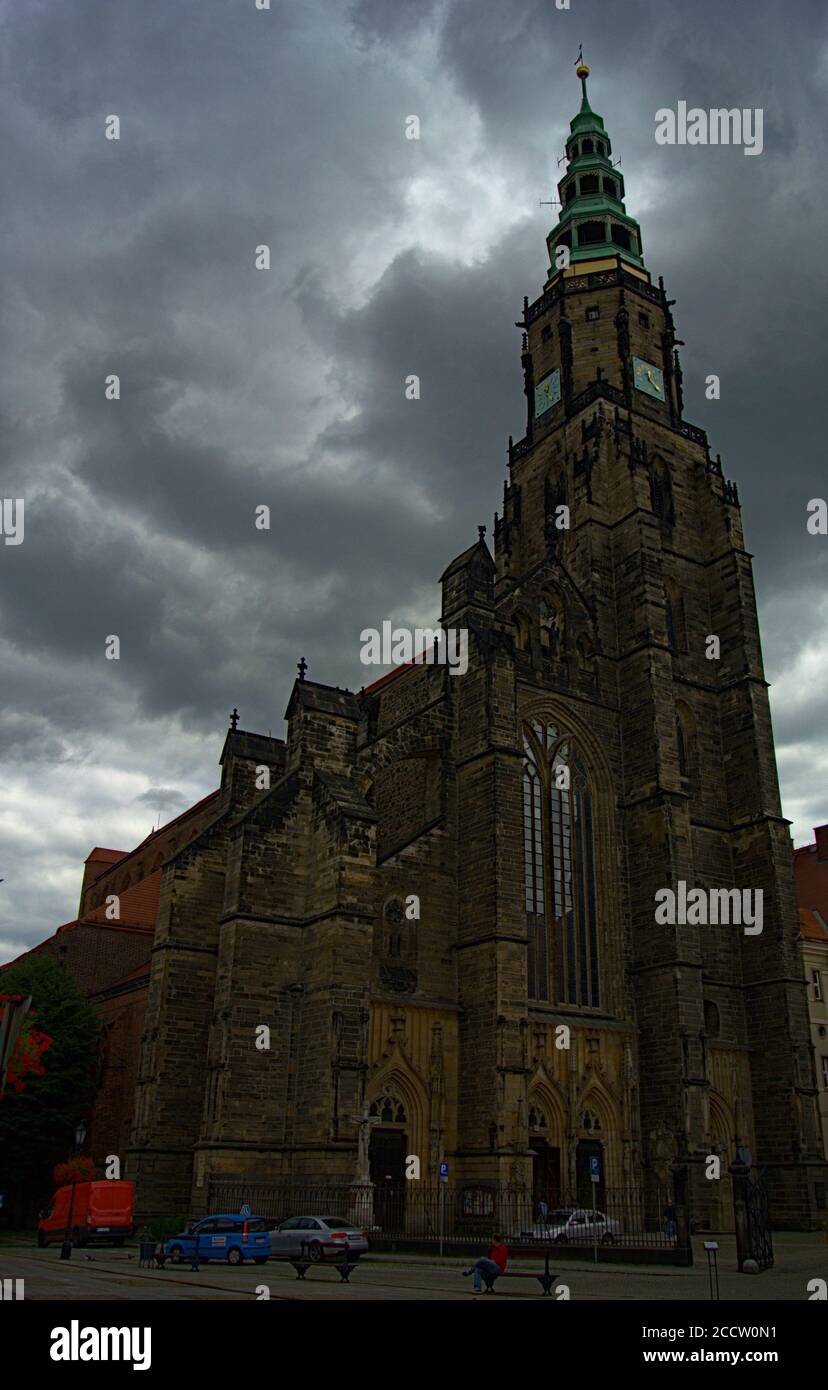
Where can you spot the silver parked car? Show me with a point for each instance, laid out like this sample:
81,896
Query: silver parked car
322,1237
577,1226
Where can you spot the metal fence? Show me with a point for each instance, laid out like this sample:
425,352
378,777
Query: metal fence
413,1212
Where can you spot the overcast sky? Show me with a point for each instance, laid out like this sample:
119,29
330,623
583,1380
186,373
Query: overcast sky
242,127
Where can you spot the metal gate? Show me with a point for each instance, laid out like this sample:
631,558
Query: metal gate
760,1243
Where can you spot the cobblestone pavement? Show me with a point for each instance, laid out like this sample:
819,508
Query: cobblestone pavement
111,1274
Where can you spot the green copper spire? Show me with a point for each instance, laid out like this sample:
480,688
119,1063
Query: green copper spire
594,223
583,73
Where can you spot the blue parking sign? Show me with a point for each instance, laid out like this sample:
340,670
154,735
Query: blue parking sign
594,1171
444,1171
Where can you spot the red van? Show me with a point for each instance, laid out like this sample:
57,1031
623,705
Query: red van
101,1211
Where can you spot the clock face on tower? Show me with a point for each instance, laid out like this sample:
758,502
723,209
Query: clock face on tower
547,392
648,378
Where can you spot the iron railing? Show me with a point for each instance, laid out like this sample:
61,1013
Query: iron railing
415,1211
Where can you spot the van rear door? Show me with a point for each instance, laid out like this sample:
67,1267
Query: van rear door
110,1207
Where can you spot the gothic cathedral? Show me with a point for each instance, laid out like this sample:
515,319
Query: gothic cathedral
442,907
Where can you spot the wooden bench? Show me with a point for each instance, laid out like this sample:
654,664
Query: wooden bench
545,1276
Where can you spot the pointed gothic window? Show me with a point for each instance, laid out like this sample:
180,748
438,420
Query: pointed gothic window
560,897
523,632
682,749
674,616
685,741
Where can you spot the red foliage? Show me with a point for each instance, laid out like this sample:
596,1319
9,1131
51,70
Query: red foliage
80,1169
26,1060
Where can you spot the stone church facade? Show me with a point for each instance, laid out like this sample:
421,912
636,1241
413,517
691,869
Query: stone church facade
442,907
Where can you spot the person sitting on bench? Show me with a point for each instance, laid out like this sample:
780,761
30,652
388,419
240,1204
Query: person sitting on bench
491,1267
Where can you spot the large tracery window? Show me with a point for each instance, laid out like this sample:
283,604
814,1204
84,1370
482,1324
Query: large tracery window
559,870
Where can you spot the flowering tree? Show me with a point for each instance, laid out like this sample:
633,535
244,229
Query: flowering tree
80,1169
26,1059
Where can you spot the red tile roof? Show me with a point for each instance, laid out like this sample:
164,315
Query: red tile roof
138,904
810,926
109,856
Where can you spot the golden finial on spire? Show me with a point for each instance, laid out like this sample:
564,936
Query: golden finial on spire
581,67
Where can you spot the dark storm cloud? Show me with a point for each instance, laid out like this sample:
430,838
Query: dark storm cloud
286,388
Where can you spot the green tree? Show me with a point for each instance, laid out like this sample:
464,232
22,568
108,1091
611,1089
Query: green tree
37,1125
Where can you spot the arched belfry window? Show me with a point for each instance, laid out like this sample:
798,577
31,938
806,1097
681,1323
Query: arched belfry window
560,896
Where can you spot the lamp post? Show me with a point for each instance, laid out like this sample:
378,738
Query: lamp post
66,1247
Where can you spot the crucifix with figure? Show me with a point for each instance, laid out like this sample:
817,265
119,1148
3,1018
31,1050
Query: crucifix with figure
364,1123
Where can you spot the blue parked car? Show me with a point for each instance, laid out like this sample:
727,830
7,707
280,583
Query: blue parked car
232,1238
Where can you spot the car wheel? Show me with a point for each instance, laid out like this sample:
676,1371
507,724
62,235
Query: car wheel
606,1238
42,1242
315,1253
234,1255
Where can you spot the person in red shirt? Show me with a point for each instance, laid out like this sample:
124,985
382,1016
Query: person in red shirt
488,1268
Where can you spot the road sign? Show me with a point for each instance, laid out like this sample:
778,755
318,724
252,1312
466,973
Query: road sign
594,1171
245,1211
444,1172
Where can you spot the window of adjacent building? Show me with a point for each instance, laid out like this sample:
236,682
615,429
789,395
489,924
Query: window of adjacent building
620,236
587,147
819,1195
560,894
593,312
644,320
546,333
611,187
816,983
571,190
712,1021
589,183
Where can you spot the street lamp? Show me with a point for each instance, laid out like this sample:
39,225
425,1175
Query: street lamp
66,1247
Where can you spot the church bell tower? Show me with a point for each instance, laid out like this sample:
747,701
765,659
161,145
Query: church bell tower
619,555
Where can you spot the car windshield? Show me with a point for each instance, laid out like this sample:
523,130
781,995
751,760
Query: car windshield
257,1225
336,1223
